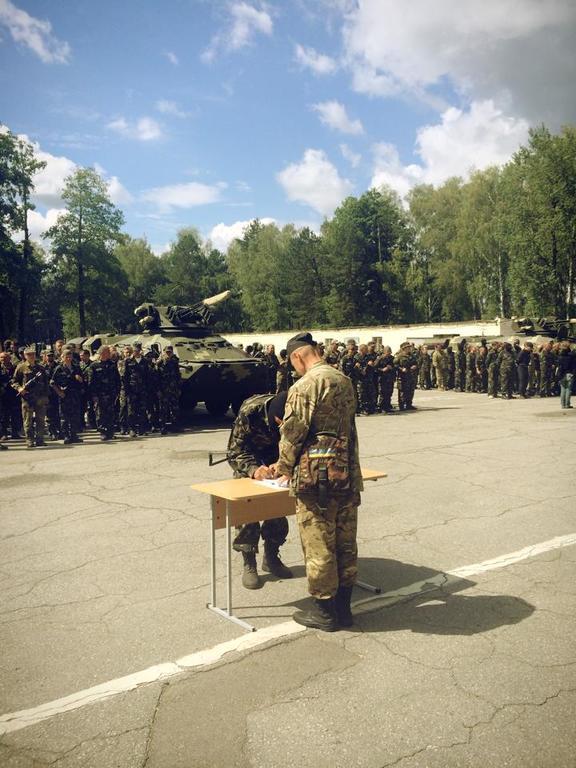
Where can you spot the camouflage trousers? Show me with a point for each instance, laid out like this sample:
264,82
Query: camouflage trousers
34,418
545,381
105,409
366,396
385,392
272,531
440,377
493,381
53,415
424,380
507,381
328,539
169,407
471,381
136,407
406,387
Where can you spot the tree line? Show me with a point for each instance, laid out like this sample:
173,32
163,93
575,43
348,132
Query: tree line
501,243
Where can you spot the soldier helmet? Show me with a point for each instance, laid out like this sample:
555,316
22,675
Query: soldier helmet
30,350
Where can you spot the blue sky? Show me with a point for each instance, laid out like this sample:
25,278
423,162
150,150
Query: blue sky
209,114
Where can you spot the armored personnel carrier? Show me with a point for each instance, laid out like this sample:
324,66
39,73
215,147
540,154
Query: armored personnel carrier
214,372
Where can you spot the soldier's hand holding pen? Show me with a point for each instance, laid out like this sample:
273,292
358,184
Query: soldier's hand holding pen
263,473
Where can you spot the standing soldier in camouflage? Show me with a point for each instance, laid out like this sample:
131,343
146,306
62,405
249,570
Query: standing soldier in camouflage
424,366
103,387
440,364
135,379
5,376
319,457
547,363
507,364
67,382
88,416
122,399
53,410
272,366
451,367
385,378
493,368
252,450
170,380
471,375
460,367
534,373
282,377
406,363
481,369
12,404
31,382
351,368
332,355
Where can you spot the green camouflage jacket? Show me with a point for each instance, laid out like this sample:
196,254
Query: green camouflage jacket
323,400
252,442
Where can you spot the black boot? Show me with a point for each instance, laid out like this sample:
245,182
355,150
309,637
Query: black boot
321,615
343,597
271,562
250,578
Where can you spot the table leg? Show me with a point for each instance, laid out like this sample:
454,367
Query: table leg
213,551
228,561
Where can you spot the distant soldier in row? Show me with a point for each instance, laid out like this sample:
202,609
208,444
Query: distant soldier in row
282,374
104,388
135,380
170,382
30,381
406,362
424,366
67,381
386,376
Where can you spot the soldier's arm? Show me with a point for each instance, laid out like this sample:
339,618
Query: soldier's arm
240,453
294,430
17,379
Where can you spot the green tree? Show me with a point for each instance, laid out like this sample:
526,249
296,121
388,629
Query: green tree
82,240
18,164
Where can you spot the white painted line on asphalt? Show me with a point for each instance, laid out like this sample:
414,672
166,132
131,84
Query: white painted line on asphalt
15,721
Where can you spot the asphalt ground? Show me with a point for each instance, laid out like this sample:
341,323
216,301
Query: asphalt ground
468,659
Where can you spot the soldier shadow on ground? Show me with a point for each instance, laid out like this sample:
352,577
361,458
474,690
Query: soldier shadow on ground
435,608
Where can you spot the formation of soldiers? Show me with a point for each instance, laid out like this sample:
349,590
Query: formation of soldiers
495,368
65,391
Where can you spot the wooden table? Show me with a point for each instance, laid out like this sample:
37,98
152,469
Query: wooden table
242,501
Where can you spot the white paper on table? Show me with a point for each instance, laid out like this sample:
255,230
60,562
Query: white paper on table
273,483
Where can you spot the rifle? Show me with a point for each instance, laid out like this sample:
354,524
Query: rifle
22,392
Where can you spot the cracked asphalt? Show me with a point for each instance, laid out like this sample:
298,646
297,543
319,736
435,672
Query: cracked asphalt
104,568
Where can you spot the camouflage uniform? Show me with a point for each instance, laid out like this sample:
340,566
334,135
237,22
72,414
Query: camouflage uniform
424,366
460,369
366,384
252,443
11,403
546,372
170,384
493,368
122,399
87,409
135,378
53,409
349,367
333,358
507,363
406,363
481,371
34,400
71,404
104,386
451,368
471,376
440,364
385,378
323,401
534,374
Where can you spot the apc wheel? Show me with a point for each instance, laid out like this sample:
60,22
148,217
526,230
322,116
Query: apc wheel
217,407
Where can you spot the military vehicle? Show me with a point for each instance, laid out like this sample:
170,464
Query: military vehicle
214,372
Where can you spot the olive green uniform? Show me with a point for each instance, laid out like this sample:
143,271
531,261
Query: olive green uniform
34,400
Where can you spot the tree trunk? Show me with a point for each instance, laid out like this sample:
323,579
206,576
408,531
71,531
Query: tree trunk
23,299
81,296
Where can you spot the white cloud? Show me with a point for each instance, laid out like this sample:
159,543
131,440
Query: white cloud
334,115
183,195
159,250
463,141
243,24
172,58
144,129
38,223
315,181
34,33
170,108
116,190
49,181
352,157
222,234
518,52
319,63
